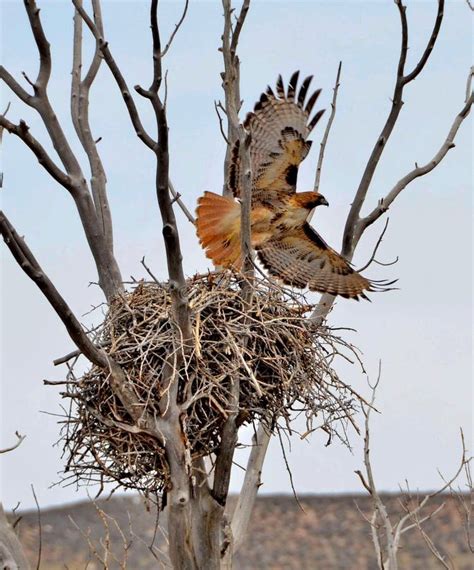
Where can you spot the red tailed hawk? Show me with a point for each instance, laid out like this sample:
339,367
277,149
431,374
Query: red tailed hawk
286,244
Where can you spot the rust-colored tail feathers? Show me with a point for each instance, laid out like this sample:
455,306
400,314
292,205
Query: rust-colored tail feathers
218,229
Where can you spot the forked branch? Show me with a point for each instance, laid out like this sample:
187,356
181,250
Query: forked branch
19,441
80,90
387,547
384,203
96,224
118,76
402,79
22,131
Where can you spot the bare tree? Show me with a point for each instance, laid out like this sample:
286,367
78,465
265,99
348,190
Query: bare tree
386,534
11,551
203,531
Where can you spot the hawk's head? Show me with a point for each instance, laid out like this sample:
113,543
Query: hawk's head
310,200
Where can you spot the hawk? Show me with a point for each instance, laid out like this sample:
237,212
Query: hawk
287,246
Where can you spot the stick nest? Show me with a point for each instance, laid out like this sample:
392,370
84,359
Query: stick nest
282,363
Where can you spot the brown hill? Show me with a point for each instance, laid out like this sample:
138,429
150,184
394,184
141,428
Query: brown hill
330,534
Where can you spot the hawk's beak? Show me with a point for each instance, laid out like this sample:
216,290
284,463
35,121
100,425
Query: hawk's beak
323,201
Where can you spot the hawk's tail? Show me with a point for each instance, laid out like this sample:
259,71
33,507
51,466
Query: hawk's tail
218,229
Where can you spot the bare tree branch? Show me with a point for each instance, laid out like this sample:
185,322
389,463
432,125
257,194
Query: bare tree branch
355,226
42,104
252,481
226,449
170,230
181,204
80,117
42,44
221,126
22,131
431,42
119,78
31,267
15,445
370,484
231,78
40,529
466,506
238,27
23,95
324,140
374,252
397,102
109,274
470,5
11,551
102,45
470,78
176,28
235,129
384,203
394,532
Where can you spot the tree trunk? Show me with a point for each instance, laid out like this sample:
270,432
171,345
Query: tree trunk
195,532
12,556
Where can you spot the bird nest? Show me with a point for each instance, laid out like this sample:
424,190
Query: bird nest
281,361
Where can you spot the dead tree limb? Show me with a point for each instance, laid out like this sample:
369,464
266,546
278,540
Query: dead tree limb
12,556
402,80
236,132
80,89
19,441
231,78
384,203
246,500
95,224
355,225
28,263
97,30
22,131
31,267
387,548
176,28
324,140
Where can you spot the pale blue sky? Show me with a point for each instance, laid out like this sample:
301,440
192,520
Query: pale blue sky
422,333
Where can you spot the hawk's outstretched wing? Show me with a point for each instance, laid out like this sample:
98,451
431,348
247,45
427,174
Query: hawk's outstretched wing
279,127
302,258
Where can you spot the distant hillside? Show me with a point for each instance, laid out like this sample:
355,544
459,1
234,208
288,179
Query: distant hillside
330,534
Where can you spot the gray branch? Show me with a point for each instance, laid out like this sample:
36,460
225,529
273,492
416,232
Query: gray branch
384,203
72,177
324,140
252,481
22,131
225,453
353,229
80,89
387,547
397,103
19,441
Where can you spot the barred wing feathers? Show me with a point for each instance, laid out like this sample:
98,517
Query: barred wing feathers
279,127
301,258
